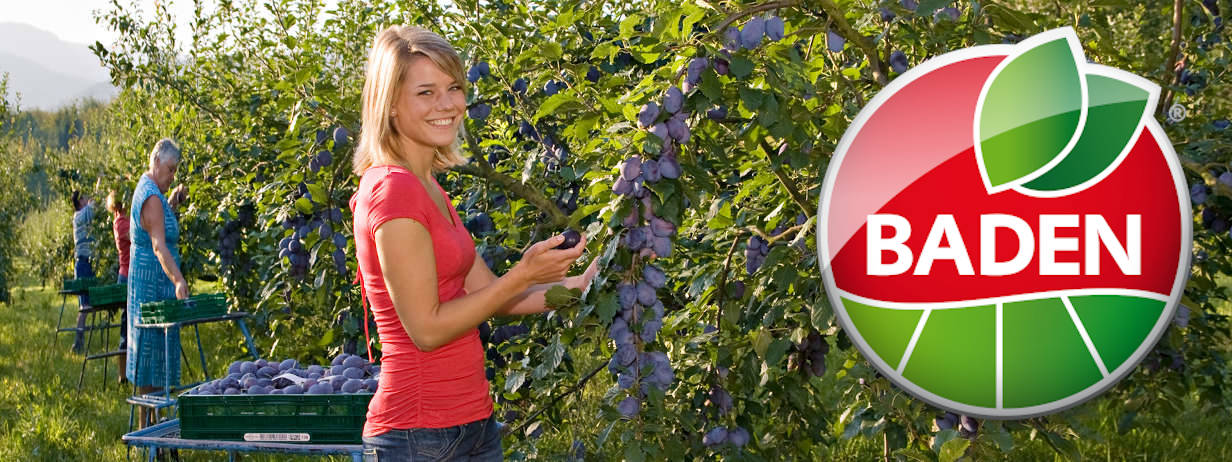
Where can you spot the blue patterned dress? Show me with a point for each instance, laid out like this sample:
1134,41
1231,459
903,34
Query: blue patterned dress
148,283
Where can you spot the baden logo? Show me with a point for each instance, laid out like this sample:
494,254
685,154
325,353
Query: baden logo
1005,228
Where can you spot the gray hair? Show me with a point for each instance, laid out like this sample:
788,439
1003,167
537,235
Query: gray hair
165,150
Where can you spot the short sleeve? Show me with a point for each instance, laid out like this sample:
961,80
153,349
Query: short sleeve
396,195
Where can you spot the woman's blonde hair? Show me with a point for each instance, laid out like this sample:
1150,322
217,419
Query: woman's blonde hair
113,204
388,60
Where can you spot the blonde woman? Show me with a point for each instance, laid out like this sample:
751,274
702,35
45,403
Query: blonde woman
428,288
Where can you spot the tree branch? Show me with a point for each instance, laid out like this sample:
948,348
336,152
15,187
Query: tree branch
789,185
478,167
718,315
1178,8
531,418
718,30
862,42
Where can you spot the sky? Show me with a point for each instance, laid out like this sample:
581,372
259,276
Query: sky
72,20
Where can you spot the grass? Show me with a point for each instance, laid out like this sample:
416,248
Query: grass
44,417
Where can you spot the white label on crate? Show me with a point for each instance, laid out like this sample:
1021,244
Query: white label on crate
276,437
292,377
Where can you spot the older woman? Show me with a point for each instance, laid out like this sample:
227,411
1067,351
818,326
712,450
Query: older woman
154,272
428,288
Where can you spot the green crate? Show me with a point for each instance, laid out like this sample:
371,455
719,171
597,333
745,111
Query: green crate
79,284
195,307
108,294
314,419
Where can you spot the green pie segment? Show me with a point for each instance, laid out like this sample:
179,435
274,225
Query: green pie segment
1117,324
886,331
1044,357
955,356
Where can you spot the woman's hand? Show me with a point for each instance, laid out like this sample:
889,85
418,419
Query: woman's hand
178,196
181,290
542,264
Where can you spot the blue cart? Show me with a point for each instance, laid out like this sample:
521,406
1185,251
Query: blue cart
166,435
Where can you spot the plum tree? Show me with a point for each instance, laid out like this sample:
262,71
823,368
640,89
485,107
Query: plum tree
672,134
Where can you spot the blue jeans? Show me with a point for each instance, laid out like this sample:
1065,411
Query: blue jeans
122,279
478,441
82,269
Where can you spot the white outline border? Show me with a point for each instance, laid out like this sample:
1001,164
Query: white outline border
1115,376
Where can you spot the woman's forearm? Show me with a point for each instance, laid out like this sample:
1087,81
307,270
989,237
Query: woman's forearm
452,319
530,301
168,262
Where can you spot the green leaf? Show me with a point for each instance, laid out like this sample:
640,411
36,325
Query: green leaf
607,306
559,296
740,67
761,342
604,51
1063,446
560,102
626,26
326,339
1008,18
953,449
318,192
777,350
711,87
1002,438
550,50
1031,111
303,205
634,453
751,97
853,428
1115,110
942,437
551,359
784,275
515,381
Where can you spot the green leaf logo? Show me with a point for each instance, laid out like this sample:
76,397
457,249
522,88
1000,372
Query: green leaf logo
1051,124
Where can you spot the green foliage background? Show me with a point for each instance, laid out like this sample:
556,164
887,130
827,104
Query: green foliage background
246,96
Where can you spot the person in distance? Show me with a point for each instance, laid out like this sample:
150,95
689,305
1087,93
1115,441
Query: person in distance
83,250
120,224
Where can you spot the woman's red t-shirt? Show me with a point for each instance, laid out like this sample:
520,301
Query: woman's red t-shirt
437,389
123,243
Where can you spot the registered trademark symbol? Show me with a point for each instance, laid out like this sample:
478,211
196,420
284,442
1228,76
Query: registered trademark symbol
1176,113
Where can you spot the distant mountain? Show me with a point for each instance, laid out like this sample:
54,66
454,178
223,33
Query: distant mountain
49,72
